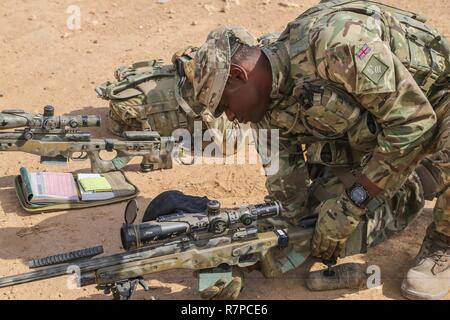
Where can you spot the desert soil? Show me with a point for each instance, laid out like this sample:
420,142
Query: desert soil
43,62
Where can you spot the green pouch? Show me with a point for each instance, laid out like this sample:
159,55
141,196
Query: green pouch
122,188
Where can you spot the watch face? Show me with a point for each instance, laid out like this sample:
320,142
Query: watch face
358,194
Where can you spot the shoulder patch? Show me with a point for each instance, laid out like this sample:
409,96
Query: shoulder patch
362,68
375,72
375,69
364,51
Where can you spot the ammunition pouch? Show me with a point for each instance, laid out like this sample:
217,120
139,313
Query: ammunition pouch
327,111
331,153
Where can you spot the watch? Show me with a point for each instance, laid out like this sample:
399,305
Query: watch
358,195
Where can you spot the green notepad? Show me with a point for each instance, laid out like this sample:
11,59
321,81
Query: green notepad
95,184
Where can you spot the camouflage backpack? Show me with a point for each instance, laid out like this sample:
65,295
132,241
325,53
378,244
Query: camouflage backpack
148,95
421,48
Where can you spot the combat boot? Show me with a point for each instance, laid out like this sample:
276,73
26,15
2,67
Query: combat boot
429,278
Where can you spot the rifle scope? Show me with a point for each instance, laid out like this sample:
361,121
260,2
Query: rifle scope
16,118
214,222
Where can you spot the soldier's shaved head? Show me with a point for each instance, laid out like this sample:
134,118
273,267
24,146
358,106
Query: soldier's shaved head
247,93
245,53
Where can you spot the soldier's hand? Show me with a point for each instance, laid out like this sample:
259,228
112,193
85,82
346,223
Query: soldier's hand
338,218
222,291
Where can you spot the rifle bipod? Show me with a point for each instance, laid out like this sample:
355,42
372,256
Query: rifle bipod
124,290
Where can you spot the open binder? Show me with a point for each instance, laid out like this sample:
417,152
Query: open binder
122,188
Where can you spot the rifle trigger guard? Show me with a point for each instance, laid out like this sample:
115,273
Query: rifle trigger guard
143,284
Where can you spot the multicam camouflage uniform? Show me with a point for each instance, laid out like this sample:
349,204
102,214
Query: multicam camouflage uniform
367,93
364,88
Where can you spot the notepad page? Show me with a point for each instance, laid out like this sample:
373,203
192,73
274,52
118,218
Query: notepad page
56,184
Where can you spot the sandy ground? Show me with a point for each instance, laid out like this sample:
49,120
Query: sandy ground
43,62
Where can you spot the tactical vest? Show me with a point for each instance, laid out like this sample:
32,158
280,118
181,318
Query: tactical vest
341,132
148,96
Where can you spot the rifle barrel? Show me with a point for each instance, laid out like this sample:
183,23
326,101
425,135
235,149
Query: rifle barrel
47,273
84,266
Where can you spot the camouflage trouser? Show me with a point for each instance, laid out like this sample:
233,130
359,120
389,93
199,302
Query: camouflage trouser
440,160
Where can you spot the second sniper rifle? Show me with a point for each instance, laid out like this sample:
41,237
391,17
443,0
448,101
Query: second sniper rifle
57,139
195,241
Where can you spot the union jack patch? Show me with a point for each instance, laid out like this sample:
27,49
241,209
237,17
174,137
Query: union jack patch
364,51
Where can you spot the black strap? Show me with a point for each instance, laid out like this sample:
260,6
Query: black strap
345,175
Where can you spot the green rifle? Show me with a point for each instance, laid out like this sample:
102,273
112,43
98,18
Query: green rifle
195,241
57,139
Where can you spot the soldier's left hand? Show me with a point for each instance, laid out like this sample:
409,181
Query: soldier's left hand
338,218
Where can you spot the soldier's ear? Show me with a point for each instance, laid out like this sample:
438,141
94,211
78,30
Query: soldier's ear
238,72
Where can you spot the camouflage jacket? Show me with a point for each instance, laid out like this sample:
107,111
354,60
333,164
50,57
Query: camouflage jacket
348,81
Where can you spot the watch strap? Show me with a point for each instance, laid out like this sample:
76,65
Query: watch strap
371,187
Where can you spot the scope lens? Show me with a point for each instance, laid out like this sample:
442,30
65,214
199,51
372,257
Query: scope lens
134,236
128,237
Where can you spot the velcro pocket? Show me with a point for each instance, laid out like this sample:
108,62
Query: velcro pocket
363,135
331,115
330,153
